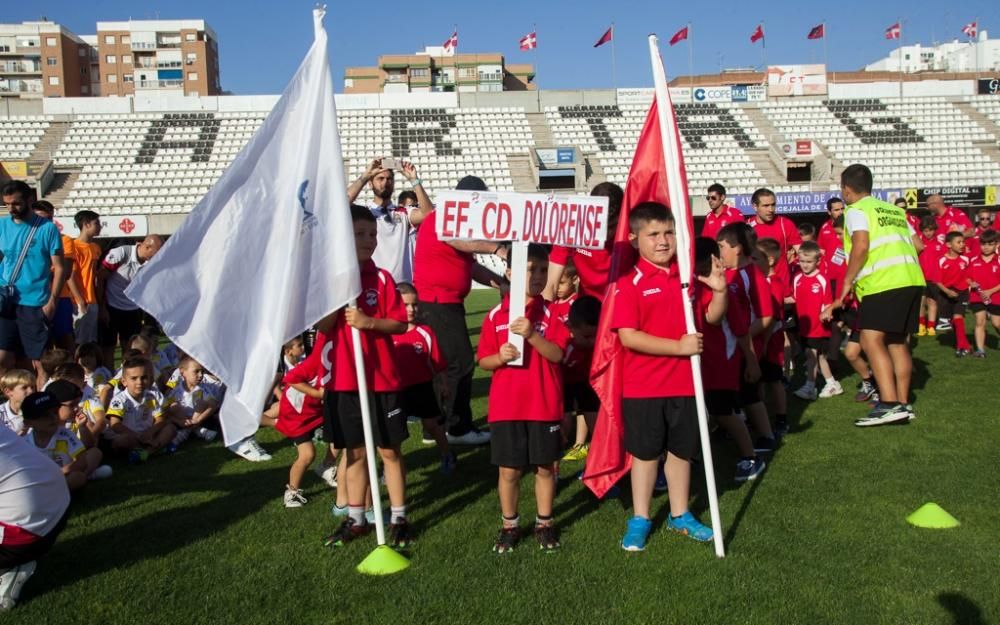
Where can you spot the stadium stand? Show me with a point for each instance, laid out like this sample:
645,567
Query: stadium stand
924,141
20,135
715,138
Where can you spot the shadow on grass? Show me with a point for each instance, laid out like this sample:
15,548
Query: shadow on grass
963,610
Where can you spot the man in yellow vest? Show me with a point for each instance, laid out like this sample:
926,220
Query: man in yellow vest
884,273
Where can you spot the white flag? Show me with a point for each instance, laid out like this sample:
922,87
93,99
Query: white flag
267,252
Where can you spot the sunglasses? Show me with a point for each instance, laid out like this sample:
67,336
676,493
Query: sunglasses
712,197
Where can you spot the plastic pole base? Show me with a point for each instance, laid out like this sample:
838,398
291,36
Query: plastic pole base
932,516
383,561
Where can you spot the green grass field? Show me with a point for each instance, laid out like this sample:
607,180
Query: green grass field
821,537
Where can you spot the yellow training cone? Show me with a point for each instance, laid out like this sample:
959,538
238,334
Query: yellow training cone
383,561
932,516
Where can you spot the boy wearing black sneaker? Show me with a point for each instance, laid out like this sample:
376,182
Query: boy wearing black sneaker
379,315
526,403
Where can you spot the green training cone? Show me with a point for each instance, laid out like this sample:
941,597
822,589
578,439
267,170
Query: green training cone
383,561
932,516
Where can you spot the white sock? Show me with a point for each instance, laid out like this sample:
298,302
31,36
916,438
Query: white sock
397,514
356,514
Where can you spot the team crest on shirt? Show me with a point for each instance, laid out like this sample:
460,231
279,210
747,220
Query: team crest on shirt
371,298
815,289
418,347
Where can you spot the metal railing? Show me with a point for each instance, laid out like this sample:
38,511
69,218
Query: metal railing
159,84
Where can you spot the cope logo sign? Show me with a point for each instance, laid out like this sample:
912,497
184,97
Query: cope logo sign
568,220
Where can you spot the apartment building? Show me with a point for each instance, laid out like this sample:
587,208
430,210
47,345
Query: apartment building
434,69
44,59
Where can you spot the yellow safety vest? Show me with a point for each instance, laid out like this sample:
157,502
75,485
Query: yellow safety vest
892,261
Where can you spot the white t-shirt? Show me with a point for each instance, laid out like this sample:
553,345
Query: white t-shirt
395,243
123,262
192,400
63,447
33,492
8,417
855,220
137,415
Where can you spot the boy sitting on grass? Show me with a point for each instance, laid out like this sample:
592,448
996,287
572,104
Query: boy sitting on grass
48,433
16,384
138,425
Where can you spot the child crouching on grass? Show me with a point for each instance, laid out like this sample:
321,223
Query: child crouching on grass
526,403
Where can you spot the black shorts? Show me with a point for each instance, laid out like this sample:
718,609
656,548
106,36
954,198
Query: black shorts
993,309
932,291
657,424
580,397
420,400
27,334
819,344
894,312
16,555
121,326
722,403
525,443
771,371
749,391
304,437
342,424
850,320
949,307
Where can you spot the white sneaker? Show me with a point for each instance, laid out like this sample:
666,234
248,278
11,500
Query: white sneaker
328,474
206,434
294,497
831,389
181,436
250,449
472,437
102,472
11,583
806,391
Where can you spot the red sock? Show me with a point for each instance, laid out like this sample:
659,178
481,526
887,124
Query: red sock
961,341
923,321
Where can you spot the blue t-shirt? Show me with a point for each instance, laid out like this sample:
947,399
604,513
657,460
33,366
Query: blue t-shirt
34,283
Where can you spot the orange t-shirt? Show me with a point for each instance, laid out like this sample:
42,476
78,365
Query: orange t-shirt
85,269
69,253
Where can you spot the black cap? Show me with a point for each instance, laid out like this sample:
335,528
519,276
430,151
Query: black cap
37,405
471,183
64,390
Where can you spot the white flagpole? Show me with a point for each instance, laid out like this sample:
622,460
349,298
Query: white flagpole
691,60
366,422
679,203
900,60
614,69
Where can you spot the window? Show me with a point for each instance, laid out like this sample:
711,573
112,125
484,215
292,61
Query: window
191,37
4,48
84,89
112,78
109,39
467,72
126,39
194,93
82,51
54,81
190,58
110,59
128,78
51,41
192,75
127,59
51,60
420,72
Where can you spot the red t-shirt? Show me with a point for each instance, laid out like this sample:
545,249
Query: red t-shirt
782,230
952,272
721,355
933,250
418,356
754,284
649,299
592,266
576,363
985,273
713,223
299,413
951,219
812,294
561,308
533,391
441,273
379,298
913,220
834,260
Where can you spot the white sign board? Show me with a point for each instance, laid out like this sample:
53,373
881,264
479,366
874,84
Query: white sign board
794,80
111,226
523,218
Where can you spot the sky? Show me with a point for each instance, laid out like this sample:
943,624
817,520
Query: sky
261,43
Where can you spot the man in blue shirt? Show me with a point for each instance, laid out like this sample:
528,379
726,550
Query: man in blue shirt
38,284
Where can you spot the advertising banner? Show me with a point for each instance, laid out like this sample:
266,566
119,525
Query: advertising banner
789,80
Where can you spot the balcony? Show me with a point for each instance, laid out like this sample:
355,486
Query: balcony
143,45
20,86
159,84
20,68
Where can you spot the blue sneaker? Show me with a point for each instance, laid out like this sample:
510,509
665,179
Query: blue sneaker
636,534
340,510
689,526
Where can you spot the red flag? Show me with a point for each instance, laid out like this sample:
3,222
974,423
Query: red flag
606,37
452,44
757,34
607,460
679,36
970,29
529,41
818,32
894,31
